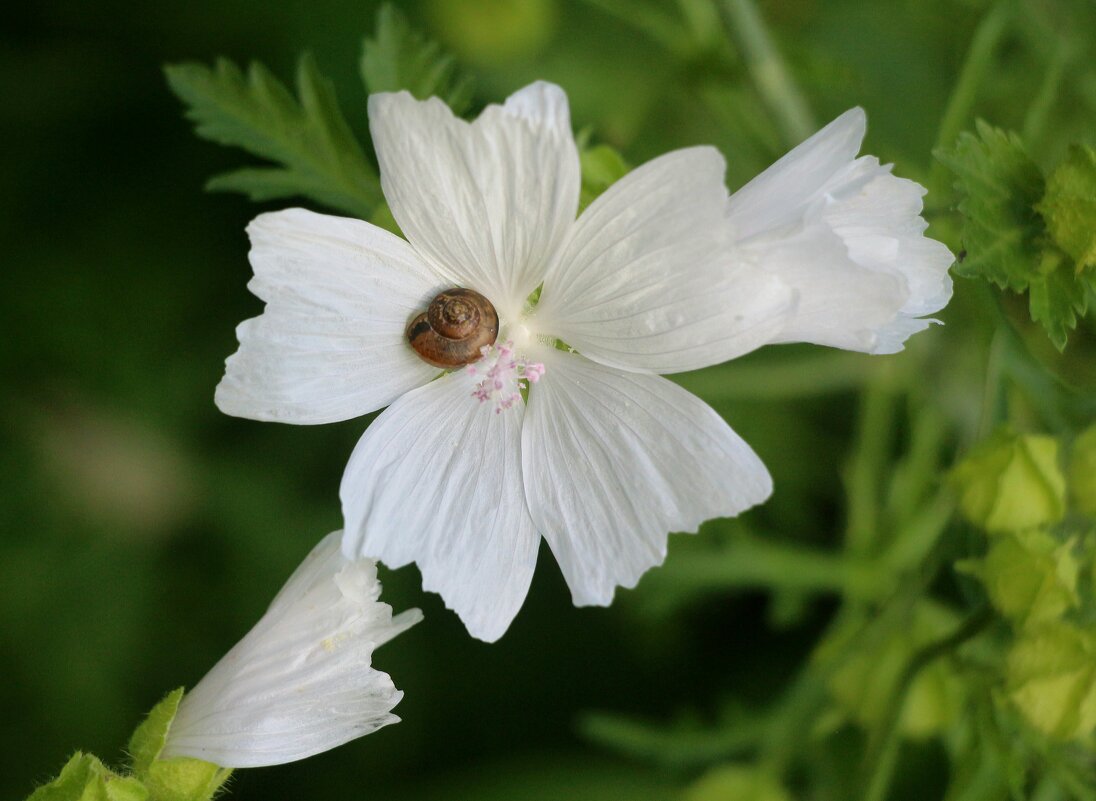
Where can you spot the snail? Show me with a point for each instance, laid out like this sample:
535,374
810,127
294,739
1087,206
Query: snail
456,324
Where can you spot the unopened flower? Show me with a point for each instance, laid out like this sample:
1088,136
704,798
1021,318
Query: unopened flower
847,235
300,682
561,428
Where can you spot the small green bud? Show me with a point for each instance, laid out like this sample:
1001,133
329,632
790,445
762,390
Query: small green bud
737,783
177,778
1030,577
1069,206
85,778
1082,472
867,679
1011,482
1051,674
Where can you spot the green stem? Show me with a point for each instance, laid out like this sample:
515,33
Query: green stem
975,68
867,468
754,562
768,71
1035,121
882,752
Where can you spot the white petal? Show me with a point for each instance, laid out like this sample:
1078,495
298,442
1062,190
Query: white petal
436,480
848,237
487,202
300,682
644,283
613,461
330,344
779,196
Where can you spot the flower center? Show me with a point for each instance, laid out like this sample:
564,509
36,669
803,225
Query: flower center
503,376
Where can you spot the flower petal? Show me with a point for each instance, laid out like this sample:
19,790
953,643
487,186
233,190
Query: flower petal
300,682
779,195
330,344
643,282
436,480
848,237
613,461
486,202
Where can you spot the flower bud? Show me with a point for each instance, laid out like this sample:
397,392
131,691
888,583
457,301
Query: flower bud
1051,674
300,682
1029,576
737,783
1011,482
1082,472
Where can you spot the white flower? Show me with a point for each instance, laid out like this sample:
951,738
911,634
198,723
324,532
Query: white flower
848,236
300,682
459,474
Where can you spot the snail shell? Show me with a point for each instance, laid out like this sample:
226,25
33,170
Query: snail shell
456,324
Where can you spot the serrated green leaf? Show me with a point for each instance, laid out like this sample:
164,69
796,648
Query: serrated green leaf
398,57
1057,297
999,185
1069,206
308,137
85,778
602,166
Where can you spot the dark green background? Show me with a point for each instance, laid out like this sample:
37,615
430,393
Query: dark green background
143,532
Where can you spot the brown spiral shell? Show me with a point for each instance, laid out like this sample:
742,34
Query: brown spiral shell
456,324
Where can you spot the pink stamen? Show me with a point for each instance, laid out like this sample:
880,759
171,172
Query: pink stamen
504,376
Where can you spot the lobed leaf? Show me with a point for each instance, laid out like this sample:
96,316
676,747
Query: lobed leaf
317,154
398,57
999,185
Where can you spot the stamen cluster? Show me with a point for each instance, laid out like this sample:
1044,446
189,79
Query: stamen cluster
504,375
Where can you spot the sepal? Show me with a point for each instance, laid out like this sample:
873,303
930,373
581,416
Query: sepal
174,778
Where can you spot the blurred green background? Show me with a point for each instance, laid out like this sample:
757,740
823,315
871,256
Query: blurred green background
143,532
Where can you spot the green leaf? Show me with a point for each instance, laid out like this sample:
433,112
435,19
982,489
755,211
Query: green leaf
1069,206
398,57
1057,297
176,778
602,166
317,154
85,778
999,185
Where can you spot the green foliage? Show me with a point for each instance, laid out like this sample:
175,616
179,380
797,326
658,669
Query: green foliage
602,166
1052,678
398,57
1011,482
1024,232
1069,206
999,185
178,778
85,778
316,153
737,783
869,676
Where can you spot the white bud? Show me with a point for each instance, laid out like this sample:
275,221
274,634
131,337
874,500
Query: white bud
301,681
